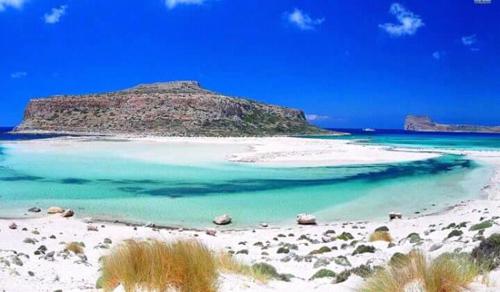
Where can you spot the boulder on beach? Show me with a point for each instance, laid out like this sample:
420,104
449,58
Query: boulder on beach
68,213
13,226
306,219
55,210
222,220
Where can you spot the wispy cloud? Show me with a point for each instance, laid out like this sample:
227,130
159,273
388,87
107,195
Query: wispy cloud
437,55
55,14
11,3
316,117
171,4
469,40
408,22
302,20
19,74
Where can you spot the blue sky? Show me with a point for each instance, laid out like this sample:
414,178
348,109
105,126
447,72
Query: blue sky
345,63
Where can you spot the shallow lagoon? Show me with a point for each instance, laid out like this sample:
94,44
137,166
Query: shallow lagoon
124,182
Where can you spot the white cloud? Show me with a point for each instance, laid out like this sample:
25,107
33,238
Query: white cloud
55,14
20,74
316,117
408,24
11,3
469,40
437,55
302,20
171,4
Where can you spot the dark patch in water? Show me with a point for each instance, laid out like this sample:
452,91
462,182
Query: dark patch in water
380,173
75,181
130,181
22,178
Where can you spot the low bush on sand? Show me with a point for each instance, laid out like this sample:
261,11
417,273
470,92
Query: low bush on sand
228,264
185,266
153,265
447,273
75,247
381,236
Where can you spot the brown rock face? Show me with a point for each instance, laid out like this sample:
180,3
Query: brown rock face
425,124
179,108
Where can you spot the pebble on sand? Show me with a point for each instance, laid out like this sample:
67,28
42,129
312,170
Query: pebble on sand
222,220
68,213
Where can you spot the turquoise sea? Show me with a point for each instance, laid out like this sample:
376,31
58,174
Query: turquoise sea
102,184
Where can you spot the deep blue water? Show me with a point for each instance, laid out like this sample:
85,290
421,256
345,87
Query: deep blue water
6,136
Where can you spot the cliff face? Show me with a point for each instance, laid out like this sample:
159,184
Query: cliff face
425,124
179,108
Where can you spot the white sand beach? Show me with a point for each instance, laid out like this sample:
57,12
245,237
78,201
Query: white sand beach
24,269
272,151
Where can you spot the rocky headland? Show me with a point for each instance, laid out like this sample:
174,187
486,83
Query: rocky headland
179,108
426,124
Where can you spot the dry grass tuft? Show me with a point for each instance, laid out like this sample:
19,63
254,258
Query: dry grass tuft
227,263
381,236
75,247
152,265
447,273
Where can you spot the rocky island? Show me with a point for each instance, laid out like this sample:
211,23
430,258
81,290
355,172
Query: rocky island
179,108
426,124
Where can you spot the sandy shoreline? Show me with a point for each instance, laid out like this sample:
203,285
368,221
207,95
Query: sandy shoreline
21,269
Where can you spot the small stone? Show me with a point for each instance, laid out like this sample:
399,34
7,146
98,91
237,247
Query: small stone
414,237
13,226
211,232
107,241
394,215
92,228
31,273
68,213
41,250
17,261
34,210
243,251
264,225
30,240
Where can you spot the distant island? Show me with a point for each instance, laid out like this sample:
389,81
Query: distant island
178,108
426,124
